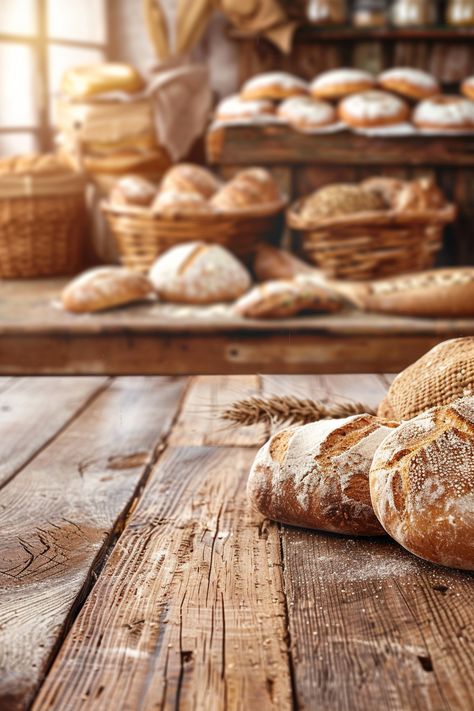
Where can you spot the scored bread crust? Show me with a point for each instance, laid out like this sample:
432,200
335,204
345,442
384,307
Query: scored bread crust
189,178
422,485
316,475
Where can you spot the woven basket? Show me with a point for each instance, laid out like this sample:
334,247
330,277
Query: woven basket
370,245
141,236
42,225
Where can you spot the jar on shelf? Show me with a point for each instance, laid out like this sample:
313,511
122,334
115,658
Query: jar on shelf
326,12
460,13
370,13
413,13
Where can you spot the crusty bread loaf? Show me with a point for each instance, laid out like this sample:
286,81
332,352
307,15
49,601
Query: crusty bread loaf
436,293
133,190
88,80
316,475
188,178
103,288
199,273
340,199
422,485
35,164
284,298
272,263
441,376
248,189
172,204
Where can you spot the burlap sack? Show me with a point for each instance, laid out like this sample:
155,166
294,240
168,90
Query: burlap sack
444,374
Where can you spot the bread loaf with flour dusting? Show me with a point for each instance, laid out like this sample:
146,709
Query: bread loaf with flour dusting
422,485
316,475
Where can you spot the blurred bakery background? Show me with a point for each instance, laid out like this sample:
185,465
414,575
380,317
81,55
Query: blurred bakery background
285,159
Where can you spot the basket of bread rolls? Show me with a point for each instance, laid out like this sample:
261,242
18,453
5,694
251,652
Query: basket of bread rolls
42,217
380,227
189,204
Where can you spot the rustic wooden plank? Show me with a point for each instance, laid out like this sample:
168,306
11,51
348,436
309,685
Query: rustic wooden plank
198,422
61,512
368,621
189,611
30,416
247,145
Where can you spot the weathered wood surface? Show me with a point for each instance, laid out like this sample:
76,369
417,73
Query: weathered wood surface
153,339
63,509
280,144
137,578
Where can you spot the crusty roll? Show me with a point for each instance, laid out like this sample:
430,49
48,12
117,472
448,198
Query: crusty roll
249,188
171,204
133,190
436,293
104,288
441,376
410,83
199,273
285,298
273,86
337,83
422,485
317,475
188,178
372,109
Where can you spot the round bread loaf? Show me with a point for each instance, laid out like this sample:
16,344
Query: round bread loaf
422,485
273,86
441,376
316,475
452,113
188,178
305,113
171,204
340,199
199,273
234,108
337,83
373,108
409,82
248,189
133,190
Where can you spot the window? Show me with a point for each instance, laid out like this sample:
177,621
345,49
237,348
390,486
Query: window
39,40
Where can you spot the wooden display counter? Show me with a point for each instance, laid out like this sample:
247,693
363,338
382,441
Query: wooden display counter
135,575
38,337
303,163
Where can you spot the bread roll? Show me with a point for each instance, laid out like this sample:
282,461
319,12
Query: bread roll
133,190
248,189
103,288
436,293
317,475
188,178
441,376
422,485
199,273
171,204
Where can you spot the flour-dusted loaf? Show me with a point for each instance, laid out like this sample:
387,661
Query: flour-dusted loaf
273,86
317,475
104,288
173,204
189,178
305,113
436,293
409,82
441,376
373,108
249,189
422,485
234,108
283,298
451,113
199,273
337,83
133,190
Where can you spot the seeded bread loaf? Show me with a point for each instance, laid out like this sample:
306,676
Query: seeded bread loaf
422,485
316,475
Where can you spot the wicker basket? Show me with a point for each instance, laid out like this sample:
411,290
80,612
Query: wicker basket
141,236
42,225
370,245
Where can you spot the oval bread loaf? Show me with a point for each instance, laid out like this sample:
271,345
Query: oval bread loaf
422,485
103,288
316,475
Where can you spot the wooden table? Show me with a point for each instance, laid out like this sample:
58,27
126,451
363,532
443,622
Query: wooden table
135,576
38,337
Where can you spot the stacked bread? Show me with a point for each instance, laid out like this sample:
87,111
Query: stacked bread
188,190
364,475
354,97
106,123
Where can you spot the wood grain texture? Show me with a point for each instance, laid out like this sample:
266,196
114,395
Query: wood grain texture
59,514
198,422
189,611
370,622
26,403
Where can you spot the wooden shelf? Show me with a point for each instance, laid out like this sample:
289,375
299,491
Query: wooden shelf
309,33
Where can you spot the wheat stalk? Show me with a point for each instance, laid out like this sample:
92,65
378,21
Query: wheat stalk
288,409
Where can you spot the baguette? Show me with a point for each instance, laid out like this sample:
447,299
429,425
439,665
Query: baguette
155,21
